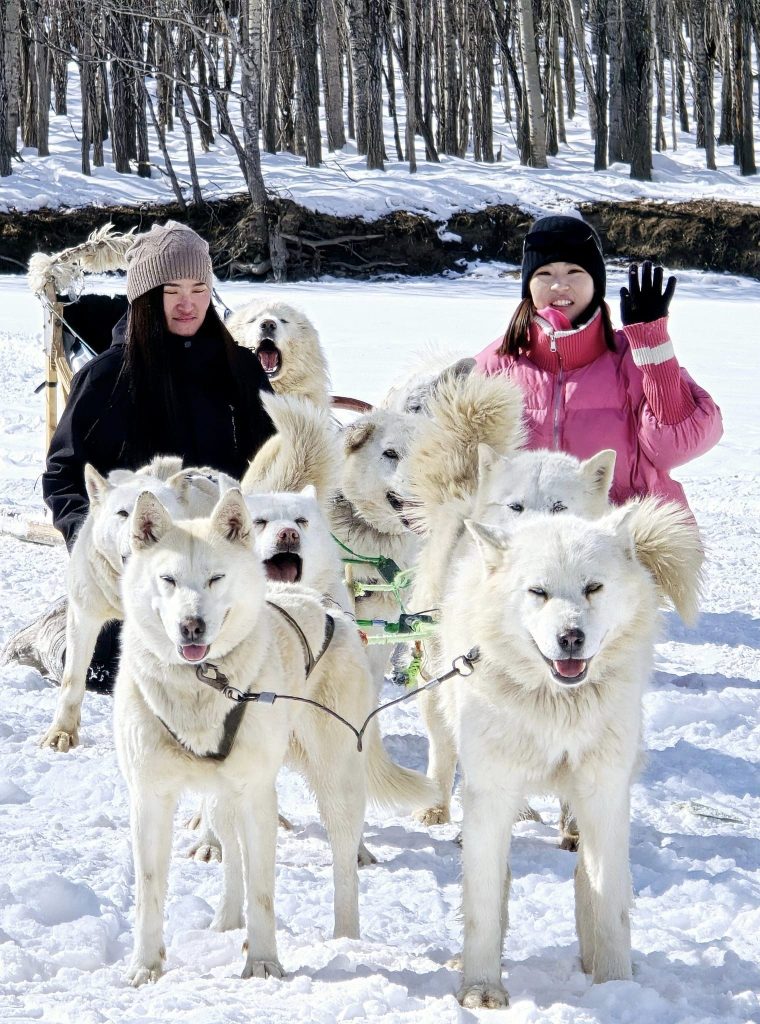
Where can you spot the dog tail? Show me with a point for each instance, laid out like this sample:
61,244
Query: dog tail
464,412
304,450
388,784
667,543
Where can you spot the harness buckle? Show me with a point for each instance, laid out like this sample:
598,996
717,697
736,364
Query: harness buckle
467,660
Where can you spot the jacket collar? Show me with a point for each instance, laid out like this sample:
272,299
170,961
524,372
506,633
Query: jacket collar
556,345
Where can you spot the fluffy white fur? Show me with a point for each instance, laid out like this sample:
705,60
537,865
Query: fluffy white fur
203,580
95,569
564,612
366,513
305,450
287,345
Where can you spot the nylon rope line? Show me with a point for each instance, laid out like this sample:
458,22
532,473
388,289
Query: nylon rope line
220,682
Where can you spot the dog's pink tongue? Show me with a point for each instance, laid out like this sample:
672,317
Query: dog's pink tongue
194,652
282,572
569,668
268,358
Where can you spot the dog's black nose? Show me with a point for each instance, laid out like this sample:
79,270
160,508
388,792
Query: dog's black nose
192,630
268,326
571,641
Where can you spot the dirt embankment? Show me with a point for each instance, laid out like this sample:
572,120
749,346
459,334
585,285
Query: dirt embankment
702,235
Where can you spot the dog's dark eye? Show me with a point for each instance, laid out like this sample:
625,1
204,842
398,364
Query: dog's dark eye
283,321
123,513
558,506
591,588
169,580
516,507
538,592
215,579
259,522
391,453
302,522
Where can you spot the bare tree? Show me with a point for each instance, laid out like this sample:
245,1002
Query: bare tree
534,105
741,37
9,75
636,85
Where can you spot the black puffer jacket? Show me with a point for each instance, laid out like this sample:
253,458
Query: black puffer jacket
99,424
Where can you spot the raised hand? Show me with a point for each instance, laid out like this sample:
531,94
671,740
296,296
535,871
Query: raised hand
643,303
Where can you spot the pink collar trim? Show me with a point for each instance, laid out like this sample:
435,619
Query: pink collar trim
556,345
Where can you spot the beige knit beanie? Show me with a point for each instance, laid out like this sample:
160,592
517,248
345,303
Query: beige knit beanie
167,252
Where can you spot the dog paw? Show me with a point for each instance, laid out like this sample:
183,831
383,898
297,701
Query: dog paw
262,969
141,973
433,816
60,738
204,853
483,997
365,858
569,842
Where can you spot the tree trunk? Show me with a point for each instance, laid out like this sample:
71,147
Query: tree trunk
375,141
9,71
636,74
304,15
741,40
534,104
616,142
703,53
357,27
333,83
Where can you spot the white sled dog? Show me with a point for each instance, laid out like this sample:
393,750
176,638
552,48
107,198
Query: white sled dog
564,614
287,345
464,463
196,597
367,519
96,565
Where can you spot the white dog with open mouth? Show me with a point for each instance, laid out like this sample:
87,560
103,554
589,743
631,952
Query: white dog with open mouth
197,606
564,614
287,345
97,562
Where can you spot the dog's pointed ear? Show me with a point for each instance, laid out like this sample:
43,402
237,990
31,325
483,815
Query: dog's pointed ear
487,458
181,483
664,538
309,491
597,472
97,486
491,541
356,434
231,518
149,522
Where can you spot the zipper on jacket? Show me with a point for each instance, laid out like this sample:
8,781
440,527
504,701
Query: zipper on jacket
557,392
234,429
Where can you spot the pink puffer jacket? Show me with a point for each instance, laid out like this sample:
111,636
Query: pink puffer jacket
580,398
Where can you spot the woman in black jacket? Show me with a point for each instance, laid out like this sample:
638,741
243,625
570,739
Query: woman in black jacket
173,383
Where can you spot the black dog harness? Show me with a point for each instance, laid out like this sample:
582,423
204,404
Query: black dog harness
210,674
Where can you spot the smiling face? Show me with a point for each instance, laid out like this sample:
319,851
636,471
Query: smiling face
186,303
563,286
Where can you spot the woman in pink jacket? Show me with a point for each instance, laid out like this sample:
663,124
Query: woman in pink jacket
587,386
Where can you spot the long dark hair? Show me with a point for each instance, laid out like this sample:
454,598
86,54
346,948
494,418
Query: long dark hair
517,339
146,362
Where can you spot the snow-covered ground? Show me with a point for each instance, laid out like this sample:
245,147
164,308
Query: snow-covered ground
344,187
66,886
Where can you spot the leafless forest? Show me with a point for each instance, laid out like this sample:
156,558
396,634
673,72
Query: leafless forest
305,75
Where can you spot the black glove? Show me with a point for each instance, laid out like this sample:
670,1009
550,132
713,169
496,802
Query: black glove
645,303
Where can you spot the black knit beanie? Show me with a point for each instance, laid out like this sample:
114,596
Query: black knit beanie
563,239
